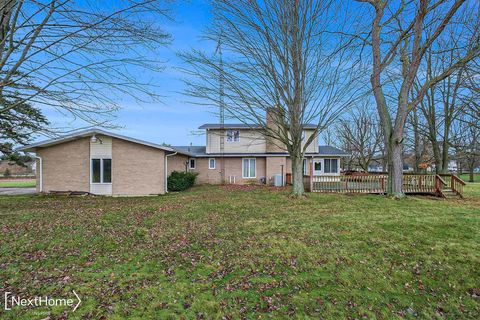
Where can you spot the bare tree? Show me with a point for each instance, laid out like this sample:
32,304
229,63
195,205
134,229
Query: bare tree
277,57
361,136
400,34
466,143
78,56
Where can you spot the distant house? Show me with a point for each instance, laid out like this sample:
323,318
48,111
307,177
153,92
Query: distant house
11,168
106,163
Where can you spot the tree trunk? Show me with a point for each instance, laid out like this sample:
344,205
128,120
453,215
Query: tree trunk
297,174
471,168
445,147
395,170
416,143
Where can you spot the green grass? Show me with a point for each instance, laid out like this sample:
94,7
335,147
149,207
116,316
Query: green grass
466,177
216,252
18,184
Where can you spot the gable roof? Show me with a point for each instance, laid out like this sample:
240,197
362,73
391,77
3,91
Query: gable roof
86,133
243,126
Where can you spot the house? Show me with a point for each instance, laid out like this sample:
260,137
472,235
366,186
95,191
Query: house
106,163
8,167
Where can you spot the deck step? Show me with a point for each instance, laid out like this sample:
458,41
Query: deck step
449,194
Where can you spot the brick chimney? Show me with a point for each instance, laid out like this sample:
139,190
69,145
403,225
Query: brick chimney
271,120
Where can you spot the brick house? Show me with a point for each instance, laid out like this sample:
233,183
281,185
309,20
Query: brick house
106,163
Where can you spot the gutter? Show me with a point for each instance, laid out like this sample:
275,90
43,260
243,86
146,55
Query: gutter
41,173
166,170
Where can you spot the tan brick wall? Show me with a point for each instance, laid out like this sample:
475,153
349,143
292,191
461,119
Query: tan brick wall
274,166
233,167
205,175
66,166
137,169
176,163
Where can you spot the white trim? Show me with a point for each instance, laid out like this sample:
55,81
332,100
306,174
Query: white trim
243,171
318,172
214,163
40,189
166,170
87,133
101,170
233,141
338,165
190,163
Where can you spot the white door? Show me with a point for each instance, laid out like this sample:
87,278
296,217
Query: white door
317,167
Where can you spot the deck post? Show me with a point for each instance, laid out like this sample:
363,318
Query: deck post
311,174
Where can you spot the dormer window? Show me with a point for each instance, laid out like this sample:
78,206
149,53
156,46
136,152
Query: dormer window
233,135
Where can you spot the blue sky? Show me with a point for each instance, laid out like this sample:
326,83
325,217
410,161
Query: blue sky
174,120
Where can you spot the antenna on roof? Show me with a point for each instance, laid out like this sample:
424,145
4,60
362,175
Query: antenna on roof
221,100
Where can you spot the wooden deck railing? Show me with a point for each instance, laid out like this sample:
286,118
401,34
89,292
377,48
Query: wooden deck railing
377,183
350,184
457,185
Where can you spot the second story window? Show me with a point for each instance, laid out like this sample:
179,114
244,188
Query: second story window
233,135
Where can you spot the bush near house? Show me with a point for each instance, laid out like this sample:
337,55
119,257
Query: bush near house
179,181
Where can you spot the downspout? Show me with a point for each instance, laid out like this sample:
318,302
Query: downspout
166,170
41,173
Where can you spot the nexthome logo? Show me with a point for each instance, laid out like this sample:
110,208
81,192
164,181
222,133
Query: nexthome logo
11,301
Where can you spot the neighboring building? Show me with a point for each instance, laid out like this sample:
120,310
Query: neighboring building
8,167
105,163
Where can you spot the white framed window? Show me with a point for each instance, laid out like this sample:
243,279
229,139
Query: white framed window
191,163
211,163
330,165
249,168
305,167
233,135
101,170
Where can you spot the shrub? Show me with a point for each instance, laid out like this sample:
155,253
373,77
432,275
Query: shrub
179,181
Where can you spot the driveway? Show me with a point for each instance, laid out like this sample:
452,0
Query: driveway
16,191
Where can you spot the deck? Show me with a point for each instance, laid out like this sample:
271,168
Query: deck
443,185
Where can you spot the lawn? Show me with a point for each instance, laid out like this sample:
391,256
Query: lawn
224,252
465,177
30,183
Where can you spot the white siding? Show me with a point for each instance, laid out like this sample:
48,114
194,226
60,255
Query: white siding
101,149
312,147
251,141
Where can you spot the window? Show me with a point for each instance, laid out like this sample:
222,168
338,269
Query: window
331,165
249,168
96,168
191,164
101,170
233,135
304,134
317,165
211,163
107,171
305,167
